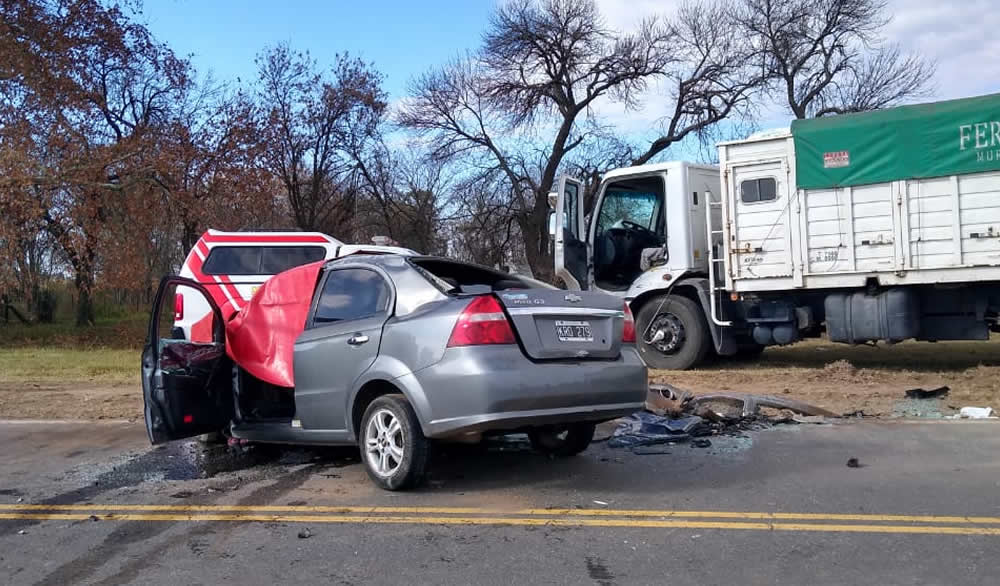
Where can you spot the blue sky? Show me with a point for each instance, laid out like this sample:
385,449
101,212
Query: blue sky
402,37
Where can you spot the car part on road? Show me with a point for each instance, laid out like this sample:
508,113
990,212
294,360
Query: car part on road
666,399
395,450
751,403
975,413
562,441
646,429
927,394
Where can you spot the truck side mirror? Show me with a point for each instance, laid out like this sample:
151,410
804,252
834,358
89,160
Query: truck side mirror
553,199
552,224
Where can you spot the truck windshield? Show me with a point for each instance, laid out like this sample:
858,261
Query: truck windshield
620,206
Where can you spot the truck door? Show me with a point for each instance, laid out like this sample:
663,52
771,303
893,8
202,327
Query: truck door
186,384
571,250
760,241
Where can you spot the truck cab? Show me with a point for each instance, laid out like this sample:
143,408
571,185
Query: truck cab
645,241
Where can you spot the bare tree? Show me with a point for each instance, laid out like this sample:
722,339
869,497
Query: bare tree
483,228
712,74
402,196
513,106
826,57
313,121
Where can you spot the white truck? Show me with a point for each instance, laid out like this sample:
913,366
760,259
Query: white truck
881,226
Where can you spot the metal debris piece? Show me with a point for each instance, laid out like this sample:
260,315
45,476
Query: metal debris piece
976,413
305,533
646,429
927,394
853,463
666,399
751,403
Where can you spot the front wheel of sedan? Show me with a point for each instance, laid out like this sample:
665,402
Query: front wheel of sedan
392,445
564,440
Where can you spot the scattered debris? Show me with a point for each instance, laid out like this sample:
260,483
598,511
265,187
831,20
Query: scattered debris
665,399
183,494
701,443
975,413
674,415
751,403
602,503
853,463
22,532
94,518
305,533
925,394
645,429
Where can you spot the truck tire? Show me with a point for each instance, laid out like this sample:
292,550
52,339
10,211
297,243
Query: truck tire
685,337
393,447
562,441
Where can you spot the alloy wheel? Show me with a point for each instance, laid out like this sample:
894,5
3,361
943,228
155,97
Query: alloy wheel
384,443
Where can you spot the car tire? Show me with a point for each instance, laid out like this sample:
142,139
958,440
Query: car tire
681,316
562,441
393,446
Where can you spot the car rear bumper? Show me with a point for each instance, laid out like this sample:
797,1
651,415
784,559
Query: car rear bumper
492,388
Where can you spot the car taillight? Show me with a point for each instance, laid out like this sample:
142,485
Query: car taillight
178,307
628,332
482,322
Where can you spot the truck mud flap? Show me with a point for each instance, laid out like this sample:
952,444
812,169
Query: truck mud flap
722,338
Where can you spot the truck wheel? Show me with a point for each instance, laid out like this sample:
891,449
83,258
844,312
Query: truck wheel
393,447
671,333
562,440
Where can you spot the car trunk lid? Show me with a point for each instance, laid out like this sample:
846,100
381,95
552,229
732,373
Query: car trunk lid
554,323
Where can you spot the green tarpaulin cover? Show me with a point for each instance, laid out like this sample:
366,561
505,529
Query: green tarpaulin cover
906,142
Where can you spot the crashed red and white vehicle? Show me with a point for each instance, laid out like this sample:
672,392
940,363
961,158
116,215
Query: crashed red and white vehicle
233,265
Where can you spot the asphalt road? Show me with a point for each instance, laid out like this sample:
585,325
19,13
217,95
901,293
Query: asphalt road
93,503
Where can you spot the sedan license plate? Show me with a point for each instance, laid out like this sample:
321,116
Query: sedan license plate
574,331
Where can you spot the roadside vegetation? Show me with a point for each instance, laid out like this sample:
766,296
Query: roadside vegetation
116,153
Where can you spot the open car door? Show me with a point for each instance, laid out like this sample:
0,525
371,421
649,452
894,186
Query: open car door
570,250
186,385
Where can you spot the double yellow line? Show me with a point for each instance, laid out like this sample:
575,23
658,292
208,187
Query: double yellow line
626,518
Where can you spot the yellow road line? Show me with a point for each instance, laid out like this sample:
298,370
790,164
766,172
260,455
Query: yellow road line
375,510
518,521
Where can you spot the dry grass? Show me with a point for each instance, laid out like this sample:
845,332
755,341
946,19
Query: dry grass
59,382
86,367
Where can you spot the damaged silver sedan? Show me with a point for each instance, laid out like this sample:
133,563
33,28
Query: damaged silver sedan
391,352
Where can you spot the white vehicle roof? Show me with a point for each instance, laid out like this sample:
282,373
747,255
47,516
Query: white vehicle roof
292,237
655,167
349,249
